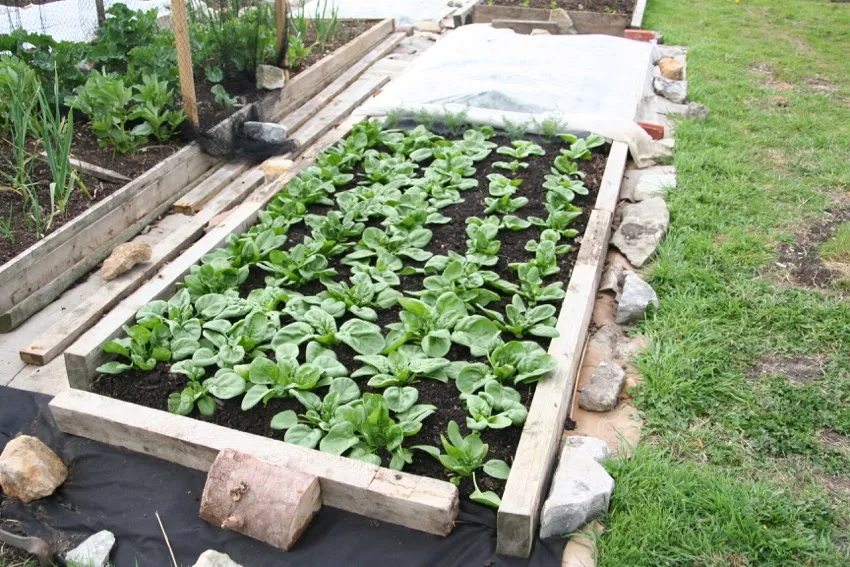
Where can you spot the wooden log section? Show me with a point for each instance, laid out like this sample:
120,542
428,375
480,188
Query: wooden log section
266,502
412,501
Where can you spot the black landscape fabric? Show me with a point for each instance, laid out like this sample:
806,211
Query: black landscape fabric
114,489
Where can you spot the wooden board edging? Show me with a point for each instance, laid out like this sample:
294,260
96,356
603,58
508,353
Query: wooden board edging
528,483
637,15
86,353
416,502
39,274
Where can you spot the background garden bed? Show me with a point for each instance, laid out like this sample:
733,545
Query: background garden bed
624,7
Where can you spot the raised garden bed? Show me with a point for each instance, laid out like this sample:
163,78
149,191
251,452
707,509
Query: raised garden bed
94,415
42,271
608,17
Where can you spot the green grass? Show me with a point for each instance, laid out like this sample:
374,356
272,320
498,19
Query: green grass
734,469
837,248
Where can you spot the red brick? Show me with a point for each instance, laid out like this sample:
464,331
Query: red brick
640,35
654,130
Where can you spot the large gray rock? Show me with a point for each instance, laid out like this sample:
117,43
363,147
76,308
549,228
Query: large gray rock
674,91
268,132
581,488
636,297
641,229
584,446
564,21
212,558
94,551
603,391
654,182
30,470
697,110
270,77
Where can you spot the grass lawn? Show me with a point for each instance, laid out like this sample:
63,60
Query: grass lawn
746,394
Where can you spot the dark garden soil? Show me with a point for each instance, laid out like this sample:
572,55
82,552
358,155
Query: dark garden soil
11,203
801,258
605,6
151,389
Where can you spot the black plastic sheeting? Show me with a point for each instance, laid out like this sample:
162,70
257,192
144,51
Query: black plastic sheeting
114,489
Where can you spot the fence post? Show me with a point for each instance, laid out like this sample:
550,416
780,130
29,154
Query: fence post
184,60
280,25
101,12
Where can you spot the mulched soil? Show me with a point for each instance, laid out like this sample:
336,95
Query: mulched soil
11,203
151,389
132,165
606,6
802,257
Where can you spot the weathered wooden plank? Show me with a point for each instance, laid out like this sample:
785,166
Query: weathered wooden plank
464,13
598,23
50,344
322,73
527,26
532,466
416,502
195,199
637,15
85,355
612,179
482,14
93,170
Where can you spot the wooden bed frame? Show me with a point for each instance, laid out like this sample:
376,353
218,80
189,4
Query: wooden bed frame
39,274
413,501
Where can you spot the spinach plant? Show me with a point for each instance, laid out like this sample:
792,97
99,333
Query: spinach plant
534,289
521,320
280,379
317,325
431,324
552,236
522,149
483,244
497,407
465,455
401,367
514,362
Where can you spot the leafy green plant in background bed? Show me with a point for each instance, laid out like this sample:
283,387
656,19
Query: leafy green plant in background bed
401,367
362,336
430,324
463,277
497,407
514,362
521,320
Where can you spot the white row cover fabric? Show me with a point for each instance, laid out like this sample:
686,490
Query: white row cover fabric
586,82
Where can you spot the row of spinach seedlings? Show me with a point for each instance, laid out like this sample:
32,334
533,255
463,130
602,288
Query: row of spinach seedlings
194,330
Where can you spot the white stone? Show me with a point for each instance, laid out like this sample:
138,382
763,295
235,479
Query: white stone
636,297
641,229
654,184
538,31
602,392
581,445
270,77
564,21
30,470
212,558
429,26
94,551
675,91
697,110
611,279
581,490
268,132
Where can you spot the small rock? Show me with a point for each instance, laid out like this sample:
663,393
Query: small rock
671,69
270,77
269,132
674,91
429,26
538,31
94,551
30,470
611,279
697,110
581,490
641,230
580,445
212,558
603,391
276,166
455,3
406,29
123,257
564,21
85,66
636,297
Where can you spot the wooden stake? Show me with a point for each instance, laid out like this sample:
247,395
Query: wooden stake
101,12
165,535
184,59
280,24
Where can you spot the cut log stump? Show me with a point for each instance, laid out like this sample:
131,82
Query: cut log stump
263,501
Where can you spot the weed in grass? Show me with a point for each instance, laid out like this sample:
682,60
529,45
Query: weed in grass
837,248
